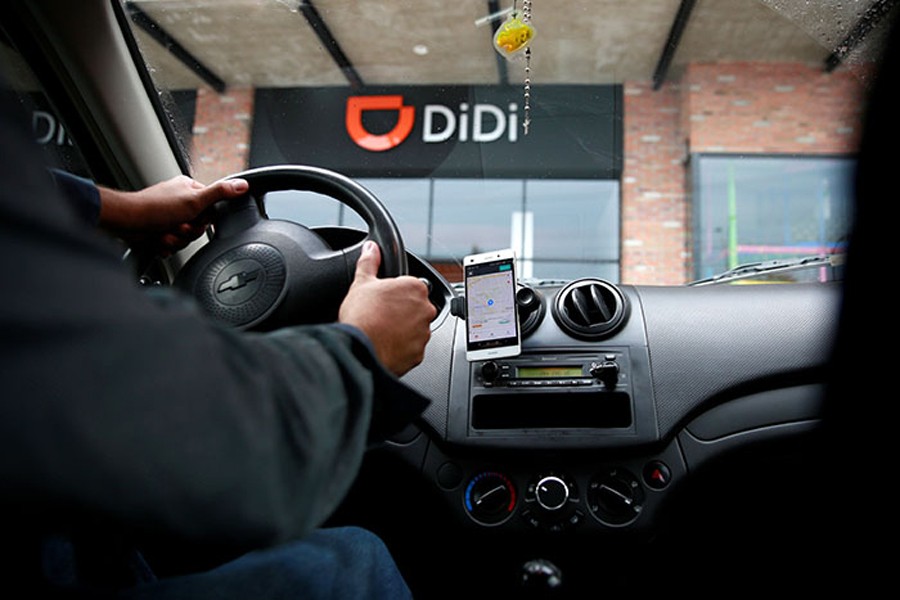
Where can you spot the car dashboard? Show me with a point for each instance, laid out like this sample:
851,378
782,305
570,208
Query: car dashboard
619,394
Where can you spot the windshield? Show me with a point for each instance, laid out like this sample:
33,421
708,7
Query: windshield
653,142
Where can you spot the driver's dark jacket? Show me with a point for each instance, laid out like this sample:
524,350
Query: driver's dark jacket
126,409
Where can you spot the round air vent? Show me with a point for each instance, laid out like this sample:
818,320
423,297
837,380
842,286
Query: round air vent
590,308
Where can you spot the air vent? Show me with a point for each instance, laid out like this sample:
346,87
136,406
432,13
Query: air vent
590,309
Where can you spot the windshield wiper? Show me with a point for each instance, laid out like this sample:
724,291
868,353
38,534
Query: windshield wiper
748,270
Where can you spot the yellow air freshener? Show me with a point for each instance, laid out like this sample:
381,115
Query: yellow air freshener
513,36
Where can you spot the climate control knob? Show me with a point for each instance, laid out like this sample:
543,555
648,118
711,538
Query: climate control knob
551,493
552,503
615,496
490,497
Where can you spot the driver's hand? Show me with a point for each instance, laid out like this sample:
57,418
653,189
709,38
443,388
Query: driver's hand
394,313
167,216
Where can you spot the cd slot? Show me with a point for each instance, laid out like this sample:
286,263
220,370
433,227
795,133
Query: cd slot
552,410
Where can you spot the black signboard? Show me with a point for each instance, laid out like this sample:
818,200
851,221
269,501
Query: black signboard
442,131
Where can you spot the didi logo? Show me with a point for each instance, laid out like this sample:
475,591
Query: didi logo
356,105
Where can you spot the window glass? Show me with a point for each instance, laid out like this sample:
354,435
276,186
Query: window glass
408,201
472,215
759,208
49,131
310,209
623,174
559,229
575,228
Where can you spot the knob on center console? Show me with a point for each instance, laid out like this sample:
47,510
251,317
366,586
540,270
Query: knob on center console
551,502
489,370
606,371
551,493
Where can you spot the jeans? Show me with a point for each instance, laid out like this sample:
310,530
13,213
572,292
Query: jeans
332,563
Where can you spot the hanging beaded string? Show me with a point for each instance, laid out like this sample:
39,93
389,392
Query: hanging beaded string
512,38
526,17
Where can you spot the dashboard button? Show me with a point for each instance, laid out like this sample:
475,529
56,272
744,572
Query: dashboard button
576,518
449,476
657,474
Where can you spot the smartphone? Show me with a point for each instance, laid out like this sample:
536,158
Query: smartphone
492,316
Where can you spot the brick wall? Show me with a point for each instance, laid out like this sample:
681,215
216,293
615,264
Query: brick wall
221,135
654,207
766,108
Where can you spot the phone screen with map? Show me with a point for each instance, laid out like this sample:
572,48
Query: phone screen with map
492,316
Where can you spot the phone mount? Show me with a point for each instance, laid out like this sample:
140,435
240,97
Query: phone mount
531,308
458,307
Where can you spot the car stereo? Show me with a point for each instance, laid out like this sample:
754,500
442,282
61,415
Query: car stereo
552,391
596,370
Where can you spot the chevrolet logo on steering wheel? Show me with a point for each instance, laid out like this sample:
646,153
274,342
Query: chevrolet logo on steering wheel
238,280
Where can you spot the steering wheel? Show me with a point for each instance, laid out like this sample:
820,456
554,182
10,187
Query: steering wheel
260,273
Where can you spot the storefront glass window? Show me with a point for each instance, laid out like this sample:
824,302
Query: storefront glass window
559,228
751,209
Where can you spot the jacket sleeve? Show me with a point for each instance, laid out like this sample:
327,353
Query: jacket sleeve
82,193
133,408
